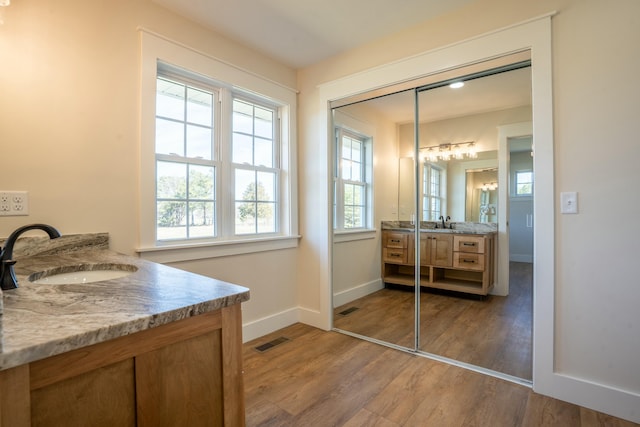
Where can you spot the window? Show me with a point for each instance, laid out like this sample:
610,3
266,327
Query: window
254,161
524,183
352,181
432,192
187,162
217,164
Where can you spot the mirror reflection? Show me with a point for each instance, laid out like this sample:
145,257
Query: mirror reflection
427,206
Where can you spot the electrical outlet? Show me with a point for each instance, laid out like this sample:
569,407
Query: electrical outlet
14,203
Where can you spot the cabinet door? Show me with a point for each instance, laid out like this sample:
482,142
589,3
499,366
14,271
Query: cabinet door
181,384
101,397
441,250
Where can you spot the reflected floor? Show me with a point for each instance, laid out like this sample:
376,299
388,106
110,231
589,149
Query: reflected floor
493,332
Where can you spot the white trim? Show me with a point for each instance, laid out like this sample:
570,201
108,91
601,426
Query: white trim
187,252
359,291
155,48
260,327
504,133
353,235
214,58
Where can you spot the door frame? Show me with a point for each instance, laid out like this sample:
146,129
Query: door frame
533,35
504,133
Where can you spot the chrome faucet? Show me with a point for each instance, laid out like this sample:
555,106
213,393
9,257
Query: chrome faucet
7,275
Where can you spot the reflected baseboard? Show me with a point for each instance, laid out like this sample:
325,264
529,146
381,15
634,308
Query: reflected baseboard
352,294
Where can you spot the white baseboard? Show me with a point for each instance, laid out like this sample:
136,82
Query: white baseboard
257,328
260,327
345,297
521,258
599,397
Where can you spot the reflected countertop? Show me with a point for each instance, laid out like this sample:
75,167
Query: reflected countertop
435,227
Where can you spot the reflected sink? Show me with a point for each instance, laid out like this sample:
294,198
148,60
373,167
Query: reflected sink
83,273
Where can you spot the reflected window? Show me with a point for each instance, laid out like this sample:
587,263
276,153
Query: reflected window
524,183
433,192
352,180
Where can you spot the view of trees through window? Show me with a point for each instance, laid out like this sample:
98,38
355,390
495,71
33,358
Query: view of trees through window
187,171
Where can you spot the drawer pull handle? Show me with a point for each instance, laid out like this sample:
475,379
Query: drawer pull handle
395,240
395,255
468,244
469,261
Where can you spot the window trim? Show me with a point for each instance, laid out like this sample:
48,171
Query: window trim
366,175
157,49
368,131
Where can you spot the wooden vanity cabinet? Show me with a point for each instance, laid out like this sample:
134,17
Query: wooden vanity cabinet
457,262
188,372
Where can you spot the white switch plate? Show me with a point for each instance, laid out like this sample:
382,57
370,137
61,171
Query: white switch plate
14,203
569,202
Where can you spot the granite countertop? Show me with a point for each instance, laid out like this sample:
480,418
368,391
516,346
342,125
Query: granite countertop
431,227
42,320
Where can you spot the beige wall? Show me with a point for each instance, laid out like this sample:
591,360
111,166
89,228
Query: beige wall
596,102
69,119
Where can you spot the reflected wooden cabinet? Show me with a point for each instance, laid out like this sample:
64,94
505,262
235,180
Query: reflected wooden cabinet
451,261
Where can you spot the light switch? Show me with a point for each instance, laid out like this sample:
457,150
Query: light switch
569,202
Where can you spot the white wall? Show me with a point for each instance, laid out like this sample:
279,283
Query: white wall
595,319
356,260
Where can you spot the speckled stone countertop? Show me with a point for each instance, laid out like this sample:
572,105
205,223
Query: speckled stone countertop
42,320
433,227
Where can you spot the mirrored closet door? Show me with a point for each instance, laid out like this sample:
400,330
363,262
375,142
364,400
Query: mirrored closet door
416,193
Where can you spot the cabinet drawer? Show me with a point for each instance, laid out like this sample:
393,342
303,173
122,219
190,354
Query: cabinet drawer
395,240
473,244
468,261
394,255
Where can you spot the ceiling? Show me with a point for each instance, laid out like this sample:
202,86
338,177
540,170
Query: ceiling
300,33
492,93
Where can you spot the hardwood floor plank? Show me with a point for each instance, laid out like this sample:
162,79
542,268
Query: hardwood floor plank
365,418
321,379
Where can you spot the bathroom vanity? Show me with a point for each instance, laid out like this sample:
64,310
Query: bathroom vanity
459,260
157,347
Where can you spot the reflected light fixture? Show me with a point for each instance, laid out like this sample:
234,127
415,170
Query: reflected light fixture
5,2
489,186
456,85
458,151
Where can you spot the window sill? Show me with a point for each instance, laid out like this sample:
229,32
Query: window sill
350,236
195,251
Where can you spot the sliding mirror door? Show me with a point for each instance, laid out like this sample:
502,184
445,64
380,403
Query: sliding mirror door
461,317
416,214
372,161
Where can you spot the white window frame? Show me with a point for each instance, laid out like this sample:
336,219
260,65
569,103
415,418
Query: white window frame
156,49
365,180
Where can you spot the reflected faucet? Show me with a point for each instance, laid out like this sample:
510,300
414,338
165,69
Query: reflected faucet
7,275
444,221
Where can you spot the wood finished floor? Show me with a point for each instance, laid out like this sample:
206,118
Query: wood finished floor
322,379
493,332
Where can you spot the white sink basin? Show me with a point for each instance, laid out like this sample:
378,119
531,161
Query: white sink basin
84,273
